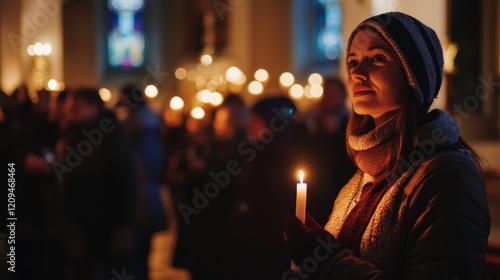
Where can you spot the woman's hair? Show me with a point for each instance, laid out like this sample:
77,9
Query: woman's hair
407,123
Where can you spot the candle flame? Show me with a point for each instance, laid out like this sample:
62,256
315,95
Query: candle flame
301,176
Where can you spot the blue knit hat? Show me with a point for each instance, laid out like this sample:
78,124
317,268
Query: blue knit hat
417,48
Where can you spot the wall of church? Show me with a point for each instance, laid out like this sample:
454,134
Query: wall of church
10,65
23,23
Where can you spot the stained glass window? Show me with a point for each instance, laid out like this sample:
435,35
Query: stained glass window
328,30
126,33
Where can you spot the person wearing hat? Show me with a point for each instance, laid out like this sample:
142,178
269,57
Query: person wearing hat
417,207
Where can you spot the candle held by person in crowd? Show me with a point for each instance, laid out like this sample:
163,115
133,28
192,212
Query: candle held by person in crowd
300,206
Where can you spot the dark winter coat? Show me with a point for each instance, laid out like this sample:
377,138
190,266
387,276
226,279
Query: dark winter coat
431,225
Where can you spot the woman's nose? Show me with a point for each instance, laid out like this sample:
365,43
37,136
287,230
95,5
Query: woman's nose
359,72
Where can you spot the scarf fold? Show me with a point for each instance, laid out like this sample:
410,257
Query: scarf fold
373,147
372,150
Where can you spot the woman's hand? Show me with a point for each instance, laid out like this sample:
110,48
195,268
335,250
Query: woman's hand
309,245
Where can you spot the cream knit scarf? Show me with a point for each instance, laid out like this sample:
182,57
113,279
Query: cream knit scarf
382,243
372,147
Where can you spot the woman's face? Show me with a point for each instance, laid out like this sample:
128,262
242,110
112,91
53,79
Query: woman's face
376,81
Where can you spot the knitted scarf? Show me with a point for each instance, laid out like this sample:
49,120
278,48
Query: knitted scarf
372,149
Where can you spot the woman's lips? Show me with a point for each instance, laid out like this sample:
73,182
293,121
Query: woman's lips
362,92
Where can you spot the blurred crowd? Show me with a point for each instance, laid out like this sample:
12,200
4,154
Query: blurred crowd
90,179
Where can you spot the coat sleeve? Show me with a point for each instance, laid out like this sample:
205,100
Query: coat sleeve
448,221
447,225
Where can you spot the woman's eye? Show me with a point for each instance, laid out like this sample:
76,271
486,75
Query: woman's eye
352,63
379,58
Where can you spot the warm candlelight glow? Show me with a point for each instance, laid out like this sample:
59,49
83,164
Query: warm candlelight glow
105,94
300,206
151,91
206,59
176,103
287,79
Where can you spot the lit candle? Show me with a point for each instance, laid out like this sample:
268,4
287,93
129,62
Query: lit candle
300,207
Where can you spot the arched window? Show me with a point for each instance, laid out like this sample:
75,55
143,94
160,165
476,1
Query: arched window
126,33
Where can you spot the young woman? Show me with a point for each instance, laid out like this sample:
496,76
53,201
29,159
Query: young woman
416,208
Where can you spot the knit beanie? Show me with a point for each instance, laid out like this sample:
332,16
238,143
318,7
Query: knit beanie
417,48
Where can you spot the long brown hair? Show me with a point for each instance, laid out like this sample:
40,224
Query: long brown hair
408,120
406,131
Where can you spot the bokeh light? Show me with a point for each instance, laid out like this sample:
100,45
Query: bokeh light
233,74
287,79
205,96
197,113
31,50
261,75
151,91
316,91
315,79
206,59
46,49
52,84
180,73
176,103
216,98
105,94
296,91
255,87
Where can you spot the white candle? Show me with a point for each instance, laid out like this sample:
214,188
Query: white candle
300,206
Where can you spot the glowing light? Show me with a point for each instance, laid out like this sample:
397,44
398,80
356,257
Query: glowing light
255,87
296,91
307,92
180,73
38,49
176,103
105,94
315,79
206,59
301,176
216,98
205,96
151,91
53,84
197,113
316,91
233,74
261,75
46,49
286,79
241,80
31,50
